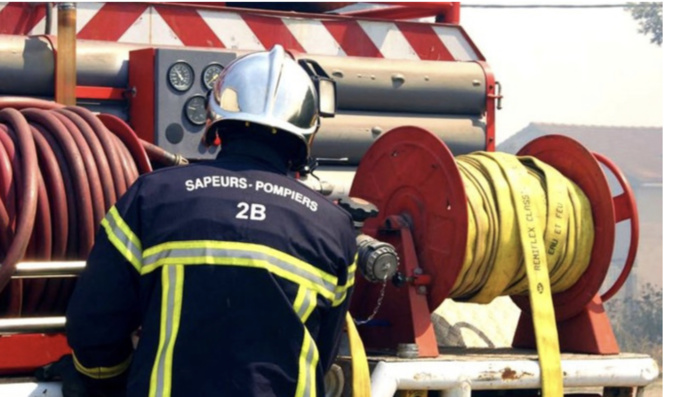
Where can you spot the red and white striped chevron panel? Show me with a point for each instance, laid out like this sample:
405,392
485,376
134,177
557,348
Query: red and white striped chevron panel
181,25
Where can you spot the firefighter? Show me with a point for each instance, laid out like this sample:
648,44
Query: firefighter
237,276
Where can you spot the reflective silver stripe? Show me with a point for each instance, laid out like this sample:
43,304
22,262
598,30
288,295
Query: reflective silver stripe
121,236
312,361
244,255
172,286
306,378
305,302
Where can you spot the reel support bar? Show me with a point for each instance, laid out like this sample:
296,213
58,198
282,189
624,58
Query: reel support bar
28,325
424,335
48,269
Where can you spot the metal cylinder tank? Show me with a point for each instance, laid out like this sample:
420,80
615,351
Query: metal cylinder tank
386,85
27,64
345,138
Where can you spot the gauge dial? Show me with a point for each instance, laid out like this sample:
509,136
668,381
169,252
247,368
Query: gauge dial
195,110
181,76
211,72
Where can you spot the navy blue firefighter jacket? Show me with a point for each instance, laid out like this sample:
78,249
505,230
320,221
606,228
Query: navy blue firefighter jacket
238,276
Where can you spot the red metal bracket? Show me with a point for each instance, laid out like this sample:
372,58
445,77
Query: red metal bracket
424,335
589,331
493,102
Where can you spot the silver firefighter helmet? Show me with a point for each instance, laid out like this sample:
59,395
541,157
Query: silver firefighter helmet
269,89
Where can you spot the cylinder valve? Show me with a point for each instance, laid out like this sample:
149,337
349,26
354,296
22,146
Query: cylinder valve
359,209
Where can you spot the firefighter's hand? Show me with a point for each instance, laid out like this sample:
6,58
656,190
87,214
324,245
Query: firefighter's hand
73,385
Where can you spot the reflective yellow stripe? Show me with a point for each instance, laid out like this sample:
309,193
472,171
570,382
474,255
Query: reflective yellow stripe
306,376
341,291
305,303
173,279
300,298
232,246
240,254
102,372
121,236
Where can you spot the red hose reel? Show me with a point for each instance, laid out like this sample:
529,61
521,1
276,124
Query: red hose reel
412,177
61,168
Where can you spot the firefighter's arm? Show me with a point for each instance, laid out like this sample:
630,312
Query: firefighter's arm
104,309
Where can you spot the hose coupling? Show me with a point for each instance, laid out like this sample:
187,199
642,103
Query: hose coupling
377,260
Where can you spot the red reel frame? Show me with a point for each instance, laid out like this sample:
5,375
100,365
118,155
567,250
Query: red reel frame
579,165
583,325
411,172
411,176
625,207
583,168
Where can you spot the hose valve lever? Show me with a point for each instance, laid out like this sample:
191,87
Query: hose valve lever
359,209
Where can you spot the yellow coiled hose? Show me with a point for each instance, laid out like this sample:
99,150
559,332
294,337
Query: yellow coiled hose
530,230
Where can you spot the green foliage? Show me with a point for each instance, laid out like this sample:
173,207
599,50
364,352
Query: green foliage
637,323
649,16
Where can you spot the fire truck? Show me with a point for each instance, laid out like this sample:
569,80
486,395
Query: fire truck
94,94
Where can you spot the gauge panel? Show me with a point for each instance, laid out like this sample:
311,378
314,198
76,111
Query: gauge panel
172,104
181,76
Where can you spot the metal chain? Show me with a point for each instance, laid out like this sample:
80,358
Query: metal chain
376,308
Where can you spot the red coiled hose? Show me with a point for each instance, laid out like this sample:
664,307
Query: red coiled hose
61,169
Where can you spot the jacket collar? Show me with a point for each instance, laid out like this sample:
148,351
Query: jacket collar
260,152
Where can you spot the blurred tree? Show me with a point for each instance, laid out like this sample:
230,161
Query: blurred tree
649,16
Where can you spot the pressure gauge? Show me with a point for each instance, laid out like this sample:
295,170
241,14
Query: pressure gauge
211,72
181,76
195,110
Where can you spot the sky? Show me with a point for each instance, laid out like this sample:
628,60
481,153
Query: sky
570,66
